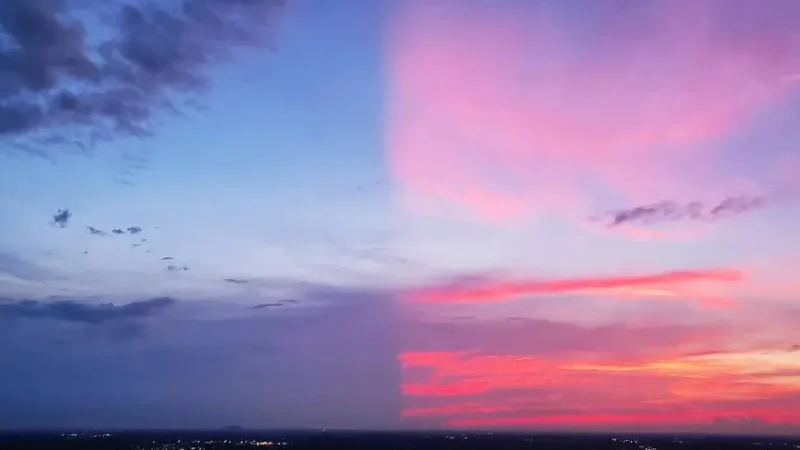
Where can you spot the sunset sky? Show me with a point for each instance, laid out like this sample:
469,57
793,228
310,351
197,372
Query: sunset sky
400,214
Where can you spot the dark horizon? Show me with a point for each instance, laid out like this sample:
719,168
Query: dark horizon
432,431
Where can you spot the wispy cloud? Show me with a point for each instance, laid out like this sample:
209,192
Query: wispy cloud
95,231
487,290
672,211
266,305
83,312
479,389
236,280
283,302
173,268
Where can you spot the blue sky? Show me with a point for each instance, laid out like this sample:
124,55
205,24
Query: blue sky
276,161
420,214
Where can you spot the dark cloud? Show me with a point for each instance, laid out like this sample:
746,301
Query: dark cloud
167,258
172,268
95,231
117,231
82,312
60,218
236,280
134,230
286,301
61,86
672,211
267,305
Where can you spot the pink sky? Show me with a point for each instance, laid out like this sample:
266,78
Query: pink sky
525,121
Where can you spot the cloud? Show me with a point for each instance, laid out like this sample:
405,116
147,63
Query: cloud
173,268
501,290
478,126
134,230
267,305
795,348
61,218
283,302
62,70
474,388
117,231
236,280
672,211
167,258
82,312
95,231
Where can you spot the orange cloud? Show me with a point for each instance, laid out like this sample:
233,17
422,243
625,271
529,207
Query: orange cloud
506,290
469,389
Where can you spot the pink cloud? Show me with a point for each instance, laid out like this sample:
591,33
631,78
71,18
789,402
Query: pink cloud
473,389
509,111
504,290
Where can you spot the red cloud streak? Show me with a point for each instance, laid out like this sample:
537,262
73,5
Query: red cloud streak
505,290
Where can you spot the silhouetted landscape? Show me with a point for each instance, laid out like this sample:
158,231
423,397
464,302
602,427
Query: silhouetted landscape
241,439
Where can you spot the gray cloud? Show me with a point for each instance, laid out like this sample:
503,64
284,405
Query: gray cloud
286,301
95,231
82,312
172,268
671,211
61,218
267,305
167,258
134,230
117,231
156,56
236,280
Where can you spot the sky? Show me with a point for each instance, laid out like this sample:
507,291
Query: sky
397,214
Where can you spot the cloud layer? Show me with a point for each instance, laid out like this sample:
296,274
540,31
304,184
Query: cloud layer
73,311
